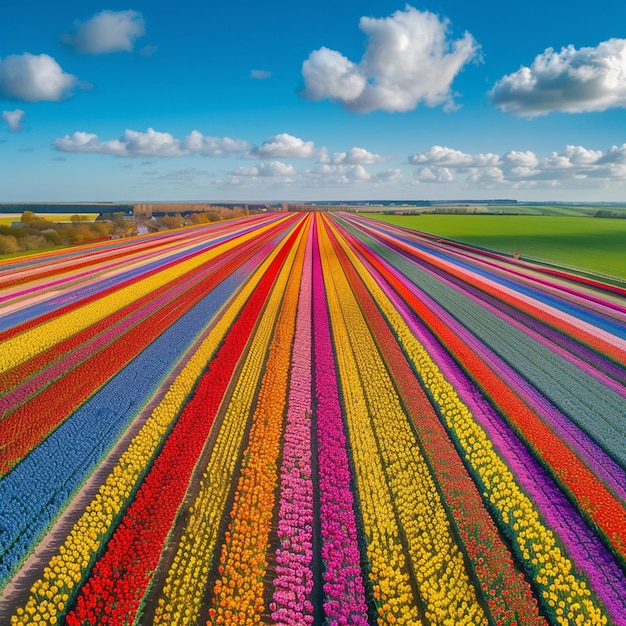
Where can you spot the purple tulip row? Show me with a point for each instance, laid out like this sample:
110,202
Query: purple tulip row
293,583
344,594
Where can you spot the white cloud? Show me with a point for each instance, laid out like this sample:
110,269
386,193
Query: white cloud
284,146
409,59
572,80
34,78
434,175
328,174
354,156
107,31
514,169
260,74
14,119
273,168
442,156
151,144
516,158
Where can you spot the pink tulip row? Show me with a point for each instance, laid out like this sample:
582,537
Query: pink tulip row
344,594
293,584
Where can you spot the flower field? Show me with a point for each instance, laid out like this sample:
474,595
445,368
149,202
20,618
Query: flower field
302,418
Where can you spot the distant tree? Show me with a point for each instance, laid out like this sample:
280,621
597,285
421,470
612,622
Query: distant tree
8,244
28,217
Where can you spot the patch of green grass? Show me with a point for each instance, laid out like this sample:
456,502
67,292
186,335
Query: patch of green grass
589,244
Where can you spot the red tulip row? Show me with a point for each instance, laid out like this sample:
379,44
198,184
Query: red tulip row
121,576
507,594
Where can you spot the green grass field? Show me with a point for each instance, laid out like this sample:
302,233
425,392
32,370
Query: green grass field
591,244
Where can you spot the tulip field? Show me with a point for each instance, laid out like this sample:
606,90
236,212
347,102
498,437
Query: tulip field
309,418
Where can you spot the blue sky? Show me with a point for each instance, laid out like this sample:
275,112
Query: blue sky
310,101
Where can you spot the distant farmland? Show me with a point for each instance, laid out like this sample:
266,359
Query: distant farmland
597,245
8,218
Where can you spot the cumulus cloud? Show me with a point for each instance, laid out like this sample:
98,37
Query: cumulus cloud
572,80
14,119
354,156
34,78
260,74
328,174
273,168
575,164
107,31
409,59
448,157
284,146
151,143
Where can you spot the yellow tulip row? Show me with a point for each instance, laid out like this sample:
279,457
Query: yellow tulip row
183,591
537,543
66,570
238,591
28,344
434,556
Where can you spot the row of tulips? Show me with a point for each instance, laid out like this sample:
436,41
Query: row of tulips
238,591
181,596
343,586
536,546
293,581
503,586
434,555
66,570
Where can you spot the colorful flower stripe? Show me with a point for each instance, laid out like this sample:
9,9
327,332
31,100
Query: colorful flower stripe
239,588
21,347
537,546
344,593
293,580
182,594
67,568
507,594
120,577
18,434
434,553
